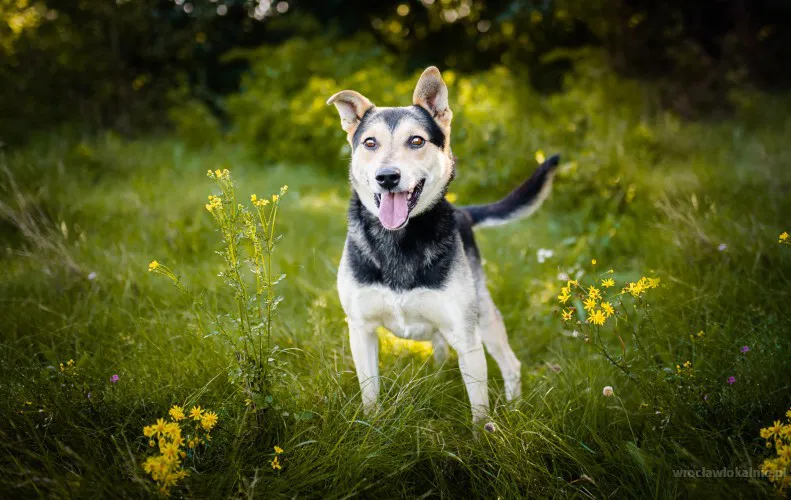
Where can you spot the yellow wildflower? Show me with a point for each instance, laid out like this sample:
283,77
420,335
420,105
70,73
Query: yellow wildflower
784,238
210,174
176,413
209,420
635,288
773,430
608,282
451,197
593,261
283,189
196,413
567,314
149,431
594,292
589,304
275,198
276,464
701,334
597,317
608,309
253,198
788,414
278,449
563,298
159,427
153,266
170,451
172,430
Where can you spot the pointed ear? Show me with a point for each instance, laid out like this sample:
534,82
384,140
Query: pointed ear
351,106
431,94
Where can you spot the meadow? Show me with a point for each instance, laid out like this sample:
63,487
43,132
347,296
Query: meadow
96,347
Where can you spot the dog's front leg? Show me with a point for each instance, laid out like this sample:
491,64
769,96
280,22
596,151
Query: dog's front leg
472,364
365,352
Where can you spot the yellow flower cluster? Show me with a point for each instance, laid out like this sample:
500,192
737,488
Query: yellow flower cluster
153,266
685,369
215,203
218,174
595,303
778,468
166,468
640,286
598,310
784,238
258,202
67,367
565,292
276,461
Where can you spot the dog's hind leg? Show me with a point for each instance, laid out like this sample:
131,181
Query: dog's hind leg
492,331
365,352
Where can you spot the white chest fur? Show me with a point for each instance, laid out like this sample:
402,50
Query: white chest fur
414,314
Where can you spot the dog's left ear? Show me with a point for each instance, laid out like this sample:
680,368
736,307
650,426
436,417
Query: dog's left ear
351,106
431,94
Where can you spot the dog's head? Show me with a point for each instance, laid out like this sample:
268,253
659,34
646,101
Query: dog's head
401,160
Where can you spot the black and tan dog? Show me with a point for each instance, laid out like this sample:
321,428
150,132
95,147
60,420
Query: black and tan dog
410,262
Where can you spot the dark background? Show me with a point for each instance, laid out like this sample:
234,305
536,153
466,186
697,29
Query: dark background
119,64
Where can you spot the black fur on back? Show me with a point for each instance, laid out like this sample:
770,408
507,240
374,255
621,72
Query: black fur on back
420,255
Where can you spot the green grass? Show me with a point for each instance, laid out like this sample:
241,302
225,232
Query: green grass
659,206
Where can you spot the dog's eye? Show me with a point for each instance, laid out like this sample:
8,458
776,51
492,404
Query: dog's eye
416,141
370,143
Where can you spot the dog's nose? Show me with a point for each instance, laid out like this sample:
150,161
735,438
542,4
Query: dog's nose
388,177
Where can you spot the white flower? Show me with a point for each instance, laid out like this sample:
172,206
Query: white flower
563,277
607,391
722,247
543,254
92,276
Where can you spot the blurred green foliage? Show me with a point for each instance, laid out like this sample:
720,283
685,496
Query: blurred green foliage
114,64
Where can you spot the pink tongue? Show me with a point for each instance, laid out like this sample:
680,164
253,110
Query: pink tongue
393,210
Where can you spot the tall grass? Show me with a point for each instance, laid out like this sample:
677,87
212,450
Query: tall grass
699,206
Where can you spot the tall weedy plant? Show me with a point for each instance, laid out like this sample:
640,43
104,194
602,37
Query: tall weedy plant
248,242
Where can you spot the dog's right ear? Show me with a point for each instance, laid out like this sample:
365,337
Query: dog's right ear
351,106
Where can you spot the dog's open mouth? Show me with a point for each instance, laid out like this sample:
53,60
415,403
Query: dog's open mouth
394,208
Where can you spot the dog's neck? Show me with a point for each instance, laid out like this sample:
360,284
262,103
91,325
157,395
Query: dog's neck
419,255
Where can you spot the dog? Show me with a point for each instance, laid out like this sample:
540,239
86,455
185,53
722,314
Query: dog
410,262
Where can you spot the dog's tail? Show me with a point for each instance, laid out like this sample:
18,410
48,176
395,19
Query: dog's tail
521,202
